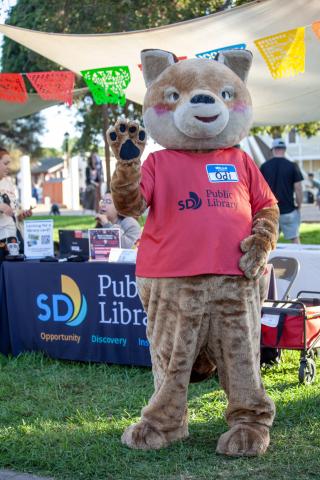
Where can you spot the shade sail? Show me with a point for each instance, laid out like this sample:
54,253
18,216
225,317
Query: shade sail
276,101
34,104
12,111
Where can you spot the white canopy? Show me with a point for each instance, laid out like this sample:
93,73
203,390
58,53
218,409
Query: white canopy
276,101
12,111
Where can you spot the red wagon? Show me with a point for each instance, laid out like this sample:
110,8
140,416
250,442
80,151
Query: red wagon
294,325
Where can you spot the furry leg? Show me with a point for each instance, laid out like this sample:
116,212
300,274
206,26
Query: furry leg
234,340
177,324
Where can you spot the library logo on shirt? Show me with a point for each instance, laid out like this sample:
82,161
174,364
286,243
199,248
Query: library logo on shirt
192,202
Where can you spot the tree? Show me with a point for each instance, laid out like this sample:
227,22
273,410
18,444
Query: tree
22,133
99,16
89,16
304,129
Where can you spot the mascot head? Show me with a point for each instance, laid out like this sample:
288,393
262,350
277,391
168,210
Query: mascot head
197,104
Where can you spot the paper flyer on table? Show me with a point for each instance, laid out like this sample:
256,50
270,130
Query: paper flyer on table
101,240
123,255
38,238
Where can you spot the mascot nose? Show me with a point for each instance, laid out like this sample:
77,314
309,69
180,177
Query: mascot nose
202,99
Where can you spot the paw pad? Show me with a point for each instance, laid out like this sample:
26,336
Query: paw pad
127,140
142,135
129,151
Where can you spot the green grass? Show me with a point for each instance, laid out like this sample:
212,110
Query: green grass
65,419
72,222
309,232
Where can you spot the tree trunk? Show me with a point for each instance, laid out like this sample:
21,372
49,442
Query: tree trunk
106,146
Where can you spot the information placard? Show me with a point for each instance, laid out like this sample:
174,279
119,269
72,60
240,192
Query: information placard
101,240
38,239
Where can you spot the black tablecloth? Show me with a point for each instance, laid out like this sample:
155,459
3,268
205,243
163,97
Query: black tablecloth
77,311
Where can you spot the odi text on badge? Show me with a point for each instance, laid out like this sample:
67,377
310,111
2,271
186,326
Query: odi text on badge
222,173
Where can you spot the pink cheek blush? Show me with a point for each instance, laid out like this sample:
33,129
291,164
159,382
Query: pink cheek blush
161,109
239,107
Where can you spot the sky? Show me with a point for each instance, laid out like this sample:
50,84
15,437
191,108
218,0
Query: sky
59,119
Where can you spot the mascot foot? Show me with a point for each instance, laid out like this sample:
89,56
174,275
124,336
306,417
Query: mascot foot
244,440
145,436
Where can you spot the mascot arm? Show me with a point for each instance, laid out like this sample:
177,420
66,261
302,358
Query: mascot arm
258,245
127,141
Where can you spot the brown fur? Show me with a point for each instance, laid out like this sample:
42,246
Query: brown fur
244,440
188,78
197,324
203,368
126,178
211,314
257,247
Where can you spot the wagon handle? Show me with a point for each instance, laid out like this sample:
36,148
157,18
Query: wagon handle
307,291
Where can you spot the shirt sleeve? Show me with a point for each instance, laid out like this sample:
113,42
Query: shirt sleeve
131,232
261,195
297,175
8,191
148,178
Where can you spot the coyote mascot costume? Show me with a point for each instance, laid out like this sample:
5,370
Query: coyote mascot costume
211,224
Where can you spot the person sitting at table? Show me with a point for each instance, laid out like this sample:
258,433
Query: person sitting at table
109,217
9,214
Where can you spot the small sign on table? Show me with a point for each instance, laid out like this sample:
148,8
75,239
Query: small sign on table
38,239
101,240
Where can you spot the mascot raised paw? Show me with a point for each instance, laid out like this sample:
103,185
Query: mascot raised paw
211,224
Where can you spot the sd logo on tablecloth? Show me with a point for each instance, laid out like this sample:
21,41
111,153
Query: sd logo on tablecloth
69,307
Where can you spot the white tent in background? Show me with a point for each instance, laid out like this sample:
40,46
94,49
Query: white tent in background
34,104
12,111
281,101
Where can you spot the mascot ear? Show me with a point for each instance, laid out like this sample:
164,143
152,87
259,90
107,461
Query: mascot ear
239,61
155,62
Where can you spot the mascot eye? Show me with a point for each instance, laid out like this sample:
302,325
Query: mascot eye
172,96
227,94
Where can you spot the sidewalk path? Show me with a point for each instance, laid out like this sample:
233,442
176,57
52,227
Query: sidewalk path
10,475
310,213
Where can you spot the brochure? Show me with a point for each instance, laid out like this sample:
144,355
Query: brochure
101,240
38,239
123,255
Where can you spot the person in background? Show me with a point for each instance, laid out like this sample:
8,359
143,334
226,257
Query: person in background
315,183
9,214
55,210
34,193
284,178
91,185
97,163
109,217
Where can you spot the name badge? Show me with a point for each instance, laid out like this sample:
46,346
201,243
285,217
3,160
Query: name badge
222,173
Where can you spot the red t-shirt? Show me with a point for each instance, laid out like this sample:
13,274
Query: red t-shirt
201,208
